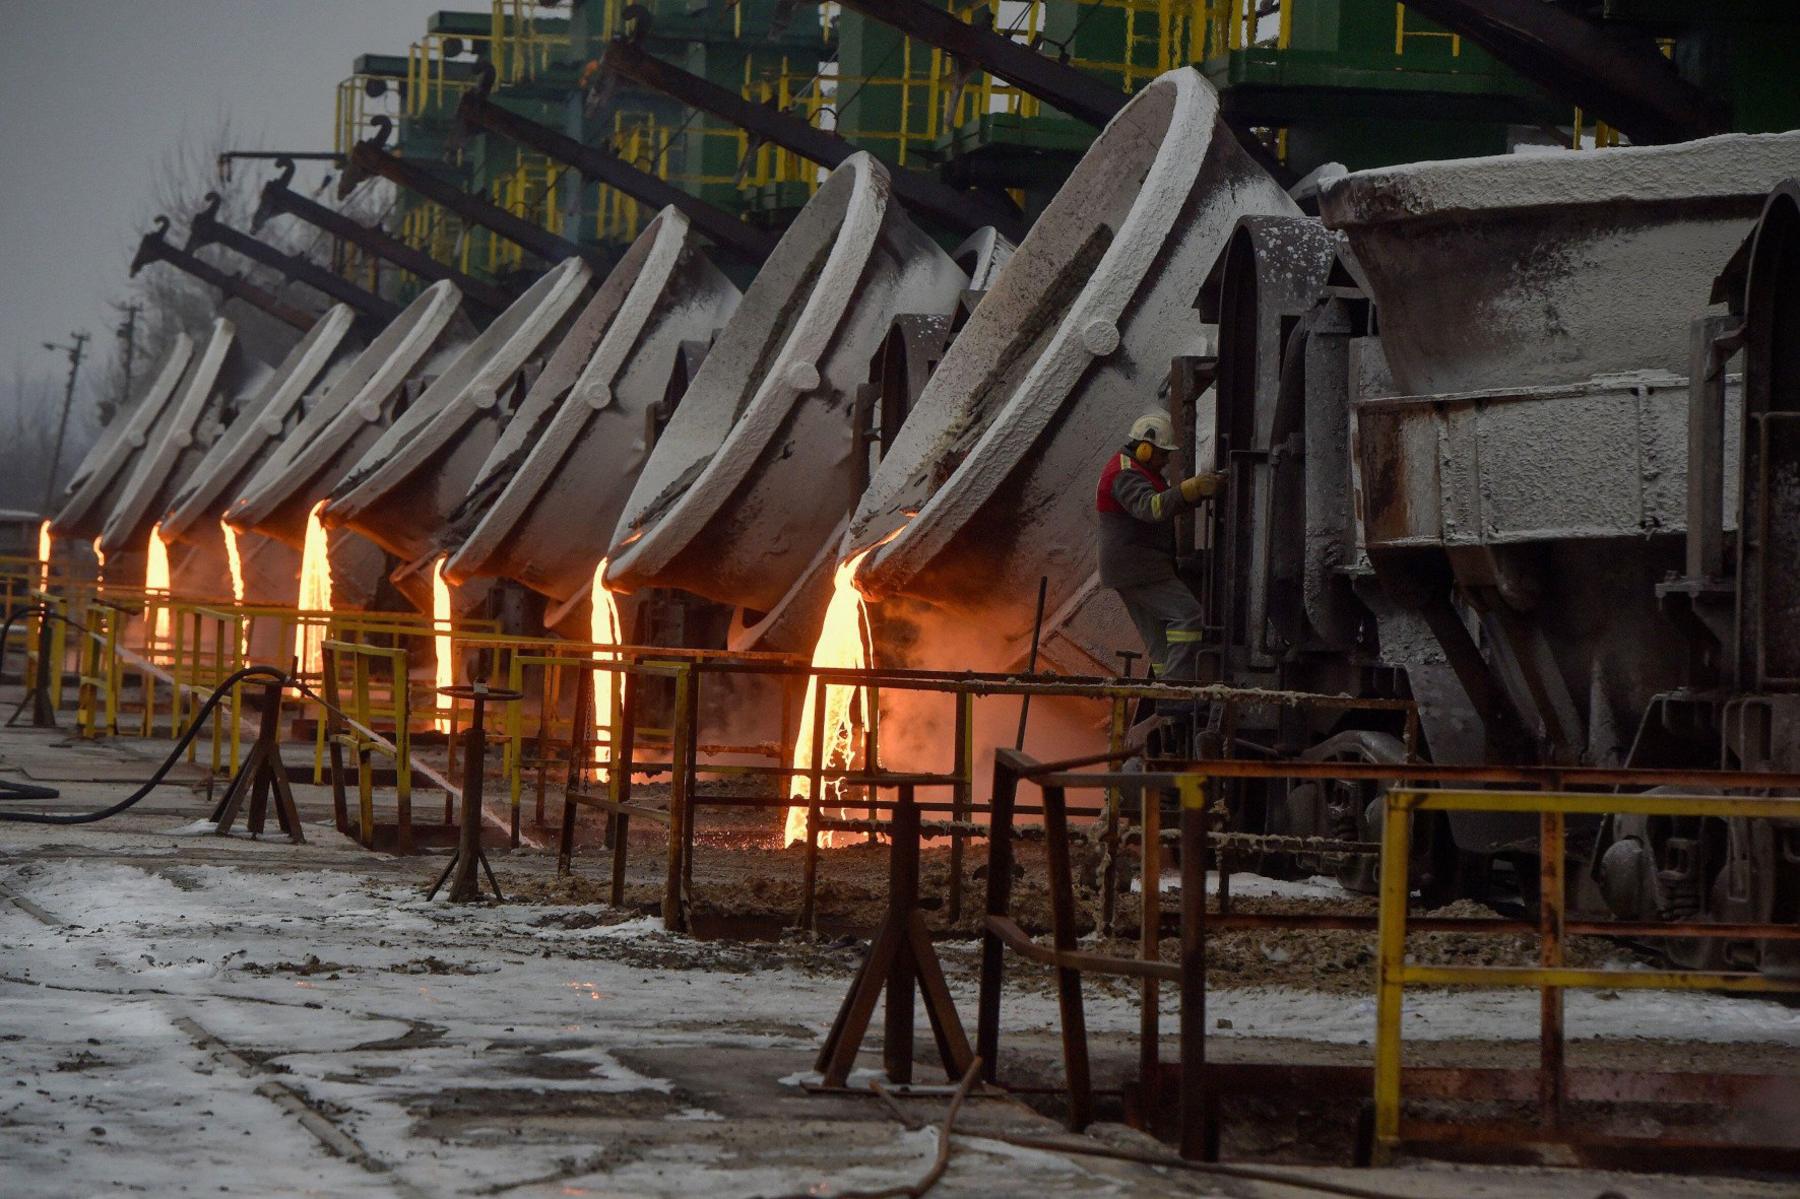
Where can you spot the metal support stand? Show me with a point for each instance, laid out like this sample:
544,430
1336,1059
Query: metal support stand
43,711
465,883
900,958
262,774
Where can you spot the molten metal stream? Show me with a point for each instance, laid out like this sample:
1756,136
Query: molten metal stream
44,556
844,643
440,623
315,592
156,581
235,563
603,629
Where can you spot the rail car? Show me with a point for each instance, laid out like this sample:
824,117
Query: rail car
1519,440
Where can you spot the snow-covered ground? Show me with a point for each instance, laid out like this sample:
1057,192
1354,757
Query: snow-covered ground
458,1047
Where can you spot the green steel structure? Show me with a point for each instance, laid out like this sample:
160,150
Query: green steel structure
1359,82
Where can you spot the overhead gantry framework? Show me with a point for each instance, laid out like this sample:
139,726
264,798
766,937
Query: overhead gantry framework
205,228
962,211
1618,75
371,158
279,198
155,247
597,165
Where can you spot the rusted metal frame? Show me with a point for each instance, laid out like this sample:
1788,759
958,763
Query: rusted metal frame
900,957
1570,778
1625,80
962,797
1003,795
371,158
903,893
572,780
1149,942
1064,686
487,298
1552,895
621,755
948,206
1391,1130
1068,980
674,916
689,769
155,248
1199,1126
601,166
205,228
1080,95
1109,833
815,786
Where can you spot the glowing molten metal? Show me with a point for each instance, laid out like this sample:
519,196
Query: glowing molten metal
440,641
44,556
235,563
603,629
156,581
315,592
843,643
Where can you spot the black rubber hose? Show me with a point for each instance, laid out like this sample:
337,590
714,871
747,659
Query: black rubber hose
269,673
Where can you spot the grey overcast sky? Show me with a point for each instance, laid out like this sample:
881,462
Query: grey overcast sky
97,92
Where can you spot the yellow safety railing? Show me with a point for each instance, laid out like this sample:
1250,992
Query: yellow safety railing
1402,33
518,48
1551,976
366,713
428,83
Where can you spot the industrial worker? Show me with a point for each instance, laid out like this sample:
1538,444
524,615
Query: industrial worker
1137,508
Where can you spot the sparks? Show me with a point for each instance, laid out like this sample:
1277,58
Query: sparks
603,629
156,582
440,623
844,643
315,592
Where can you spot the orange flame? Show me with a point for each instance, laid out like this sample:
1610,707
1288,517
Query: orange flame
603,629
844,643
315,592
233,561
156,581
44,556
440,641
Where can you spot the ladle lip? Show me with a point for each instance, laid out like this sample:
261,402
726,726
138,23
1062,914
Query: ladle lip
646,540
1088,330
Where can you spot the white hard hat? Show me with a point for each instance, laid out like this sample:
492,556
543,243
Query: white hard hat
1155,428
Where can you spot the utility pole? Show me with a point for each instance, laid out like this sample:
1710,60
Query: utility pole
128,333
75,351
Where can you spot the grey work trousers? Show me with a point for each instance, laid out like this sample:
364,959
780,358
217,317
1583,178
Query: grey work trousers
1168,618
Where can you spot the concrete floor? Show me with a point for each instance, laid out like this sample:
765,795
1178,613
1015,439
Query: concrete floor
181,1013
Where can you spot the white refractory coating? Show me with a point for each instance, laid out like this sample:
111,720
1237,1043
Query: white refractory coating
181,438
756,468
103,473
314,364
406,485
999,458
1534,270
981,256
346,419
566,463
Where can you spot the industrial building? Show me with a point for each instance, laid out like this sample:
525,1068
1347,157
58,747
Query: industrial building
1228,566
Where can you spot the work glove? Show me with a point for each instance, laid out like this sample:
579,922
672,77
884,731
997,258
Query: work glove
1198,487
